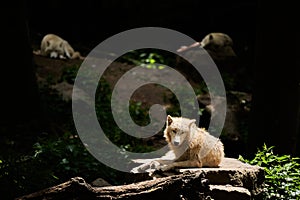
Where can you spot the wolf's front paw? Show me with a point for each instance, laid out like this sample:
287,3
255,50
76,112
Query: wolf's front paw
146,167
164,168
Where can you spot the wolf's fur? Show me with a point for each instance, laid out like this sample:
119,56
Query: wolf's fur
54,46
216,39
216,43
219,45
203,149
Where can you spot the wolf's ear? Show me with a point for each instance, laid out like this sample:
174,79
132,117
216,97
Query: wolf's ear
211,37
169,120
192,121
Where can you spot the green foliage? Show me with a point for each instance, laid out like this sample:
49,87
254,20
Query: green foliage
69,74
282,179
68,157
53,161
139,115
149,58
190,103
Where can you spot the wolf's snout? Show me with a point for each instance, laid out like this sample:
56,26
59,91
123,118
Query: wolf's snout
176,141
53,54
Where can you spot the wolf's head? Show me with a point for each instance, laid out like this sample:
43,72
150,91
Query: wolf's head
177,130
54,48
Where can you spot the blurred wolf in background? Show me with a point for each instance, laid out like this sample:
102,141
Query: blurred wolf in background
54,46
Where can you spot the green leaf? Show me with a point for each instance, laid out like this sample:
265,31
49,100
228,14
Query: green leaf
282,173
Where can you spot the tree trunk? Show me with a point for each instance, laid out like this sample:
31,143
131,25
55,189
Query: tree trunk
183,186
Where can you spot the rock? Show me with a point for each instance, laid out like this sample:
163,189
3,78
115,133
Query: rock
232,180
229,192
236,173
64,89
238,177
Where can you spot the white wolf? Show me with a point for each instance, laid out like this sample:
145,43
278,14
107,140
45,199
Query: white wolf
54,46
192,146
203,149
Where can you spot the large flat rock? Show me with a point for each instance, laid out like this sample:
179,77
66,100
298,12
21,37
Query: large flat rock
233,178
235,173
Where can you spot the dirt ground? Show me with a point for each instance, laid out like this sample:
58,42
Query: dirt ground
50,71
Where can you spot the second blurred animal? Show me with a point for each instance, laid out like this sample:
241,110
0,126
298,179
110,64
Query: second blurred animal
219,45
54,46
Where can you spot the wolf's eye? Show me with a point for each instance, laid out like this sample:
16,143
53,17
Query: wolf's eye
173,131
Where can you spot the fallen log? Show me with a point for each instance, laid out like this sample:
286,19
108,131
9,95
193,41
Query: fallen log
182,186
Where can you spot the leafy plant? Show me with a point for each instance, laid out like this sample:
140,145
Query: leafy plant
148,58
69,74
67,157
138,114
282,179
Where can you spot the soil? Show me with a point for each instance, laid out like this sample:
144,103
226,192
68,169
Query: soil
50,71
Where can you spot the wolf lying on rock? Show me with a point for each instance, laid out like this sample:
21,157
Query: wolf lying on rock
191,145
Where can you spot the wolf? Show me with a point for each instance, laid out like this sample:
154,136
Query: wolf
219,45
202,148
54,46
216,39
192,147
216,43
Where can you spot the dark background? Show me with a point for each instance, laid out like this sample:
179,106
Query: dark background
89,22
265,38
264,35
